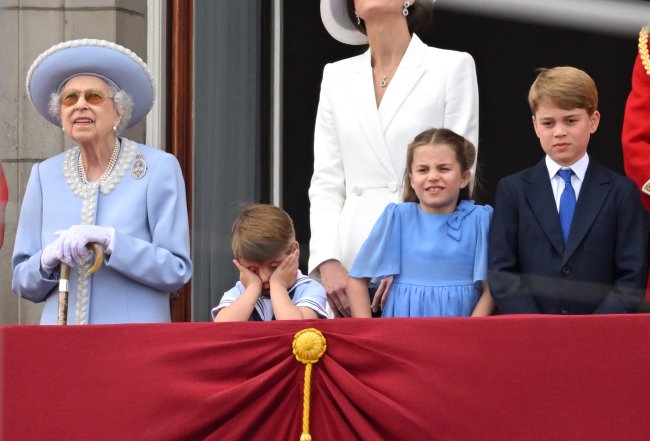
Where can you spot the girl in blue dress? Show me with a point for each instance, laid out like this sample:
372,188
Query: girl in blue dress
434,244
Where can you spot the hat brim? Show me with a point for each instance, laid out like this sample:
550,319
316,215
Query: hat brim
90,57
334,14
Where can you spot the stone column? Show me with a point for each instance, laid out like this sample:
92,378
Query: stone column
28,27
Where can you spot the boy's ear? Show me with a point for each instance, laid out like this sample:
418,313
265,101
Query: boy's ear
295,246
594,120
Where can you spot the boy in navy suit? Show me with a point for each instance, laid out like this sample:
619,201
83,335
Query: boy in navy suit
567,235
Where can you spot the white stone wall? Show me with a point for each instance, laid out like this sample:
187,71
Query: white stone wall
27,28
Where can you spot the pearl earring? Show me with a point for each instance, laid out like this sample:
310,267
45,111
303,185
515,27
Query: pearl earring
405,11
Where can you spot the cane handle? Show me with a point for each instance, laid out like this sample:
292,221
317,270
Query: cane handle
99,255
65,277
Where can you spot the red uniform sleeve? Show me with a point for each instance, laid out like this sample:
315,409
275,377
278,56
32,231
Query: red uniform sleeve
636,128
636,124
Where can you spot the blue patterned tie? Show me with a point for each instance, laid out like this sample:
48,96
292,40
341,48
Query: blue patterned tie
567,203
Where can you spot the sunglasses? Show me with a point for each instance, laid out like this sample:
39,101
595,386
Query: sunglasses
94,97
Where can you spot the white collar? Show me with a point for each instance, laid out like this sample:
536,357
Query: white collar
579,167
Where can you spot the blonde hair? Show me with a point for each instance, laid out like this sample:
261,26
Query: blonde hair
566,87
262,232
465,155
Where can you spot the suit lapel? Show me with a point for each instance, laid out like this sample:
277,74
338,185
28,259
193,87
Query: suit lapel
406,77
593,194
541,202
365,109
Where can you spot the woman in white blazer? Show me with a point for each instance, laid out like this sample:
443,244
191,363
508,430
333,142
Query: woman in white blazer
371,106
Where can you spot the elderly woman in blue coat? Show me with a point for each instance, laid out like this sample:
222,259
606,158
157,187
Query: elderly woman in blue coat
127,197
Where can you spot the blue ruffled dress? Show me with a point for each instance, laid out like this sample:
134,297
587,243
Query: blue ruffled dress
437,260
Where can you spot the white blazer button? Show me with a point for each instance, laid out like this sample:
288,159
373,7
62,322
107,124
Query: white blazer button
392,186
356,191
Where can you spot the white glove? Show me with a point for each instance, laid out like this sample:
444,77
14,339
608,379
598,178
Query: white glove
52,255
76,237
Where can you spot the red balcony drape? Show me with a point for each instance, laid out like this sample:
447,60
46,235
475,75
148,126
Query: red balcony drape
495,378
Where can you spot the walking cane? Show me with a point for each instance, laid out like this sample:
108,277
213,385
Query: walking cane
65,277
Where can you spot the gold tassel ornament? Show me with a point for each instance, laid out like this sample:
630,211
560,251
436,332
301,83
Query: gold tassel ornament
309,345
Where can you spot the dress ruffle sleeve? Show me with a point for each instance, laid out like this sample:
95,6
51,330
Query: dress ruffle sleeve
380,255
483,219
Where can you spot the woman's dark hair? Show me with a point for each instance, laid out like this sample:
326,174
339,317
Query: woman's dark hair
465,155
418,20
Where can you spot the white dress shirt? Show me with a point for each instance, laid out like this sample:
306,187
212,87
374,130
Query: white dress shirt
579,169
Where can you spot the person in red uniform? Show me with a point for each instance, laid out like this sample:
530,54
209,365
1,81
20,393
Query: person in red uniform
636,128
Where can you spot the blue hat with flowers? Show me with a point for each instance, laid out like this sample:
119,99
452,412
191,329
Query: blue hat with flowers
115,64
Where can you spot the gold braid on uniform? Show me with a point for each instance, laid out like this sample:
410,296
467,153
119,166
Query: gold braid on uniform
643,48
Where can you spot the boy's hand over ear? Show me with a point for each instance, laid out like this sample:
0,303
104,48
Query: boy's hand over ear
248,277
286,273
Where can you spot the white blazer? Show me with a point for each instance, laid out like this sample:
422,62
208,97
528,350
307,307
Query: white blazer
360,150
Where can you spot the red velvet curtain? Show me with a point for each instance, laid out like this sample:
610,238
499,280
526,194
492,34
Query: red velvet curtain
496,378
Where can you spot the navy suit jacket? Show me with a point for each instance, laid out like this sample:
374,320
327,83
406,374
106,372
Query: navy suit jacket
602,268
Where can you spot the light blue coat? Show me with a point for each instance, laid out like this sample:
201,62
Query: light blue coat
151,253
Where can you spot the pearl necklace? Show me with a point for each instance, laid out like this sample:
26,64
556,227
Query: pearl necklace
109,168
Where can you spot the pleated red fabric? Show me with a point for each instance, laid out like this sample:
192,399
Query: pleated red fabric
495,378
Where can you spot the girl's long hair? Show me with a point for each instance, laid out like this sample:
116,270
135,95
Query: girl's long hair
465,155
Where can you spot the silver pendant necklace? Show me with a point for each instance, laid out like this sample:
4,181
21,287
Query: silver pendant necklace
384,79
